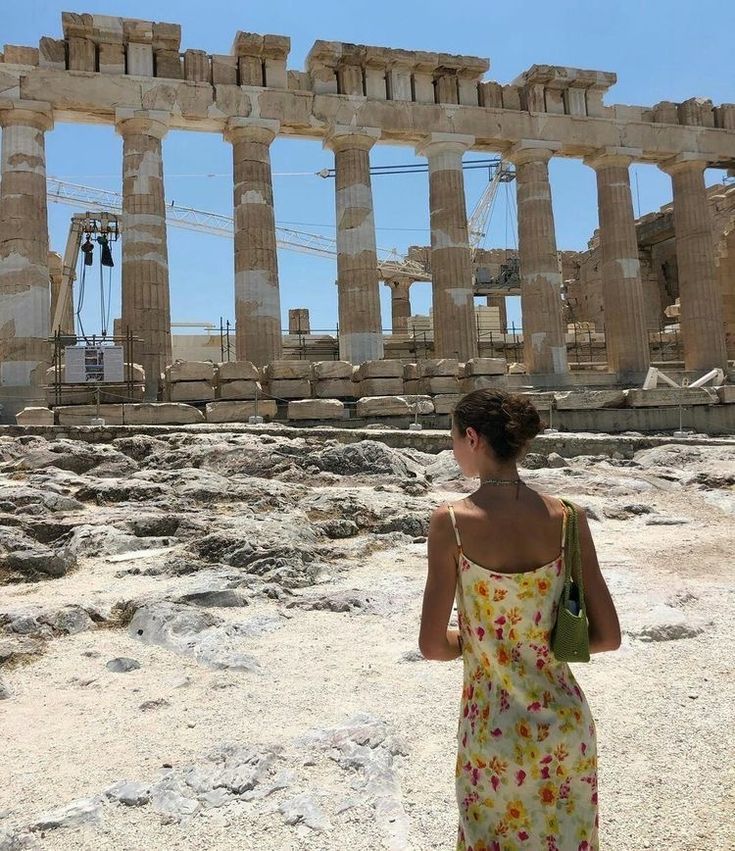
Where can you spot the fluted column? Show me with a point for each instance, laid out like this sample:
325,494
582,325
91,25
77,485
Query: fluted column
499,302
455,332
257,295
146,307
701,315
358,280
65,321
626,334
544,346
24,273
400,303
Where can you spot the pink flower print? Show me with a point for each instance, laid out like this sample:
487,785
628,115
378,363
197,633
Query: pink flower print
583,748
547,759
504,702
540,664
551,844
495,781
475,776
496,733
520,777
480,632
565,788
537,618
522,835
534,707
464,740
584,846
545,772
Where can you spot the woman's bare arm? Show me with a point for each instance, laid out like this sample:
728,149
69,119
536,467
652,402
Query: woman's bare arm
435,640
604,627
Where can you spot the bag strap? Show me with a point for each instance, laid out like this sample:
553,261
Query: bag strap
572,554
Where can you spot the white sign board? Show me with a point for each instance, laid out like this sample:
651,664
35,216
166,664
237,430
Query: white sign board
93,364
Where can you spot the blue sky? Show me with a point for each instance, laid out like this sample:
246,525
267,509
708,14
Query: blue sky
660,50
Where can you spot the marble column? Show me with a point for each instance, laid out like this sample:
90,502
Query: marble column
626,334
701,314
257,296
400,304
544,345
358,280
499,302
56,276
24,273
146,307
455,331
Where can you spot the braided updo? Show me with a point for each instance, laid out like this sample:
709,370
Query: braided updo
505,420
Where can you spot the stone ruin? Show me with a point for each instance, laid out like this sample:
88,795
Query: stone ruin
132,74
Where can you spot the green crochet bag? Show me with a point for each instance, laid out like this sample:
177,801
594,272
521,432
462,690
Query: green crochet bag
570,637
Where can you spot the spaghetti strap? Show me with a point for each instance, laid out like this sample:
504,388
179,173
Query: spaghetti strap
454,526
565,515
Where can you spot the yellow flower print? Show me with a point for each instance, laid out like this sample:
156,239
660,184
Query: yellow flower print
547,794
515,812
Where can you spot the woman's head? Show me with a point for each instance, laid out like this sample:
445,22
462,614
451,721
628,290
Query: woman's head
492,422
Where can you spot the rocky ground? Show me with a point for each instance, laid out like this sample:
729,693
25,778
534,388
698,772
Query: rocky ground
209,641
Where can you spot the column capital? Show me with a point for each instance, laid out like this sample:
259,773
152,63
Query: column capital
33,113
531,150
687,161
256,129
611,156
149,122
439,143
341,137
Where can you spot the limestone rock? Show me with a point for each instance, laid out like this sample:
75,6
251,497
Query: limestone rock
239,389
444,402
287,370
162,413
302,809
481,382
410,372
122,665
383,406
420,403
81,812
190,371
35,416
380,369
668,396
432,368
190,391
5,692
663,623
238,370
84,414
129,792
439,384
289,388
586,400
331,369
726,394
381,386
485,366
335,388
239,412
316,409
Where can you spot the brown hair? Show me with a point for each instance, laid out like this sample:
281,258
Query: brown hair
505,420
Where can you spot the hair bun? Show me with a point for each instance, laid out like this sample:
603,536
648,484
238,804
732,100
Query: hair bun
523,422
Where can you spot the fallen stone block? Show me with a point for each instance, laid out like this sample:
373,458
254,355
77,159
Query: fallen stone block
84,414
412,386
421,401
437,367
189,391
517,369
589,400
239,412
541,400
289,388
485,366
726,394
331,369
668,397
161,413
383,406
316,409
287,370
336,388
35,416
439,384
444,402
410,371
184,370
242,389
381,387
481,382
380,369
238,370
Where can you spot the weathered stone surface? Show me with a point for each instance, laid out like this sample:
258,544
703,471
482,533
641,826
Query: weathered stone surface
316,409
435,367
287,369
162,413
35,416
421,402
244,389
239,412
336,388
410,371
484,366
284,388
381,387
129,792
439,384
444,402
662,623
481,382
238,370
726,394
379,369
584,400
668,396
190,371
190,391
331,369
84,811
383,406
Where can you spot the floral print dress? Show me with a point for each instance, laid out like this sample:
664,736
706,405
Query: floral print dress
526,774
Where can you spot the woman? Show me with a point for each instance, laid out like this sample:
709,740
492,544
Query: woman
526,774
